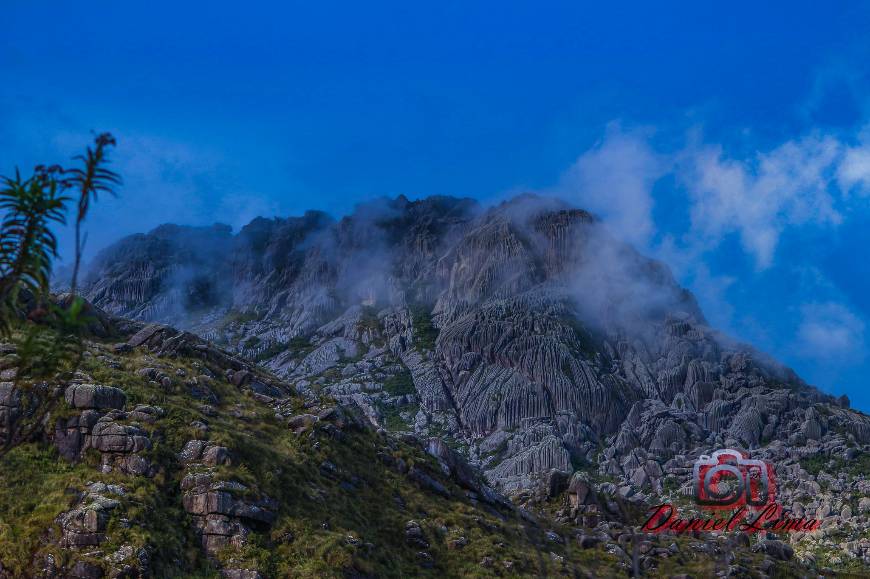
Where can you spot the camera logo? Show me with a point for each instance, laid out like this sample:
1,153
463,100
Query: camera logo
729,478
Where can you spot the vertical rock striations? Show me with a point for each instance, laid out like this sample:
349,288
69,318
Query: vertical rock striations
524,333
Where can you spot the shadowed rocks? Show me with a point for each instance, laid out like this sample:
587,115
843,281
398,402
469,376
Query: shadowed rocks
531,336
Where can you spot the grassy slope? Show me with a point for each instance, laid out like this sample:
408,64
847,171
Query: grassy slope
328,525
350,523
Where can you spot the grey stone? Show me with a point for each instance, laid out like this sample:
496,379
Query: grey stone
94,396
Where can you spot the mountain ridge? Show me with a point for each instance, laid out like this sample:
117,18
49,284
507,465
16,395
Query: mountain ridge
548,370
539,323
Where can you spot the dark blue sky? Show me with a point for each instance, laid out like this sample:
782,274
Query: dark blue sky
727,139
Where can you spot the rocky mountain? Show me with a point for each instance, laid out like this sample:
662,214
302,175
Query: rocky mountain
523,337
164,456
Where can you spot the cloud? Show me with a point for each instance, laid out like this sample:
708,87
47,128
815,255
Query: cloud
167,177
853,174
759,197
830,332
614,180
165,180
714,195
855,170
239,209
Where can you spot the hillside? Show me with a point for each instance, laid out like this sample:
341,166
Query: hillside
164,456
522,339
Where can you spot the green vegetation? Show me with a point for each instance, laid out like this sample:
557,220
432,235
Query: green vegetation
27,243
425,332
33,490
814,464
818,463
88,182
238,317
271,351
299,343
31,207
400,384
392,415
369,319
349,522
586,340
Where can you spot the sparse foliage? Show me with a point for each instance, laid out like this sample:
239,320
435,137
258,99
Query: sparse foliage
27,243
89,181
28,246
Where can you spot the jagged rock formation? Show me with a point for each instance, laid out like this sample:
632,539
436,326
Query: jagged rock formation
164,455
221,518
528,333
10,408
121,469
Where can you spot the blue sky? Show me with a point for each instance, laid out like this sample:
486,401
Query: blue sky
730,140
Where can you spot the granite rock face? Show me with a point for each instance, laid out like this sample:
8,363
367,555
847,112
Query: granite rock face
83,530
94,396
220,517
524,332
10,410
118,437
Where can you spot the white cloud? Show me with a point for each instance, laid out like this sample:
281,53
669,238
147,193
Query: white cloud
614,180
757,197
854,172
760,197
830,332
164,181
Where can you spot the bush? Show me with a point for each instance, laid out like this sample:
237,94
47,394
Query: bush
400,384
425,332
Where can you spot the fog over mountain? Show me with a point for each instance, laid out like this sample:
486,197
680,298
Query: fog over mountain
524,332
420,388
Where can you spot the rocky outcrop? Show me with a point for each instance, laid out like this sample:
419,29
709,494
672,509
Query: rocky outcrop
454,465
85,525
10,410
205,452
117,435
94,397
221,517
165,341
83,531
530,336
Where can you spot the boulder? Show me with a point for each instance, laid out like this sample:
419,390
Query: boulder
85,570
241,378
414,535
94,396
216,455
111,437
301,422
579,490
10,410
192,451
776,549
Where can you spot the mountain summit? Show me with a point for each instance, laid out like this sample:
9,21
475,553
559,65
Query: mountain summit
524,335
422,388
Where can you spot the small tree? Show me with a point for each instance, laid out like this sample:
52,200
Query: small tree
27,244
28,247
90,180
